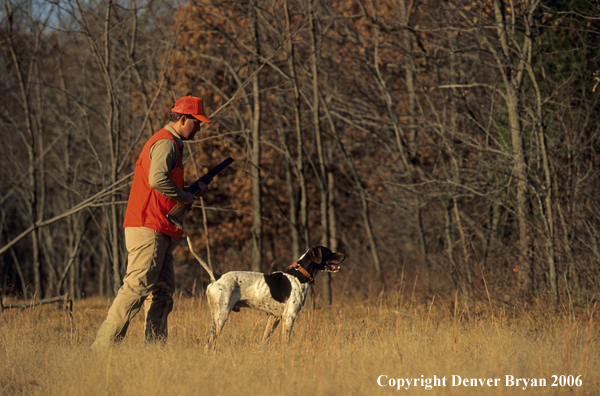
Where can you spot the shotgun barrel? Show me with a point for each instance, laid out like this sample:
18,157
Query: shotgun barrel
177,214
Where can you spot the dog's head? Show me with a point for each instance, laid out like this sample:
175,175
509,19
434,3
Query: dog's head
324,259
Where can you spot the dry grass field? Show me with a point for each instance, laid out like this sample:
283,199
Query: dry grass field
342,350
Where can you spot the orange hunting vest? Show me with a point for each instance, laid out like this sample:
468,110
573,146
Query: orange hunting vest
146,206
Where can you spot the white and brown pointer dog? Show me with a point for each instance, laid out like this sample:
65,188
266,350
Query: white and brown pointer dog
280,294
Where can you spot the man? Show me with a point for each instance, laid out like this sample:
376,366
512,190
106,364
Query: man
149,236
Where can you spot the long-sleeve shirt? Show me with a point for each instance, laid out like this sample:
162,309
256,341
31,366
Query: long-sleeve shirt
163,159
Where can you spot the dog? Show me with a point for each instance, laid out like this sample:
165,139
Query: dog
280,294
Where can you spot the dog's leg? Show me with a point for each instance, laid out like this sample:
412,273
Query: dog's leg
272,323
220,302
220,316
214,335
219,320
288,323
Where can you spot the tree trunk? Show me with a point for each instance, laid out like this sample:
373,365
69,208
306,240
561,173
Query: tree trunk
20,273
547,205
512,81
284,134
323,179
525,269
255,150
303,230
409,76
363,198
29,137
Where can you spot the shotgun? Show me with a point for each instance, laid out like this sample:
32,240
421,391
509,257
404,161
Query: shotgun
177,215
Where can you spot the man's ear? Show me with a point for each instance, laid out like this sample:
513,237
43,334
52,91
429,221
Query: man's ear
315,254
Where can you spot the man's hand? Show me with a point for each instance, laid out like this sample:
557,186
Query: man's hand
190,197
203,189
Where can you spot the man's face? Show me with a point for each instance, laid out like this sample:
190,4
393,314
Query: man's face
189,128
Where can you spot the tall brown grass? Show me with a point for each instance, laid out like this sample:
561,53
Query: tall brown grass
341,350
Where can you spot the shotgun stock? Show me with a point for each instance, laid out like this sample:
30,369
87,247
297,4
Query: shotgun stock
177,215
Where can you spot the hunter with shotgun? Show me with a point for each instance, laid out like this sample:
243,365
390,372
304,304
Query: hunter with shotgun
153,223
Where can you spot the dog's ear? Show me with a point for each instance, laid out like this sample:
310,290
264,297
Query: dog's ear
316,255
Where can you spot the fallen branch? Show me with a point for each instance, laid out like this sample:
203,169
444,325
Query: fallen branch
65,299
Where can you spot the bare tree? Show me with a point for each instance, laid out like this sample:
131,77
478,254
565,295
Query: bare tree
29,127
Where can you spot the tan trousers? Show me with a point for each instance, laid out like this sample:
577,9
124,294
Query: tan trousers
150,282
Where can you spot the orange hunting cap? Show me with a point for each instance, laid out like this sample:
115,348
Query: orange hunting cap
190,105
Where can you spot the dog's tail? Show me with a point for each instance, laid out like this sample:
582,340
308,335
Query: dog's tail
202,262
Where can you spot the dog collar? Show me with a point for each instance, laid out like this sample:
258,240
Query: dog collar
304,272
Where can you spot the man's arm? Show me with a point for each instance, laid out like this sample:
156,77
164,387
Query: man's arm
163,159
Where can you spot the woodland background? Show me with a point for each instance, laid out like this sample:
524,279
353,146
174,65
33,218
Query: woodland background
449,148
